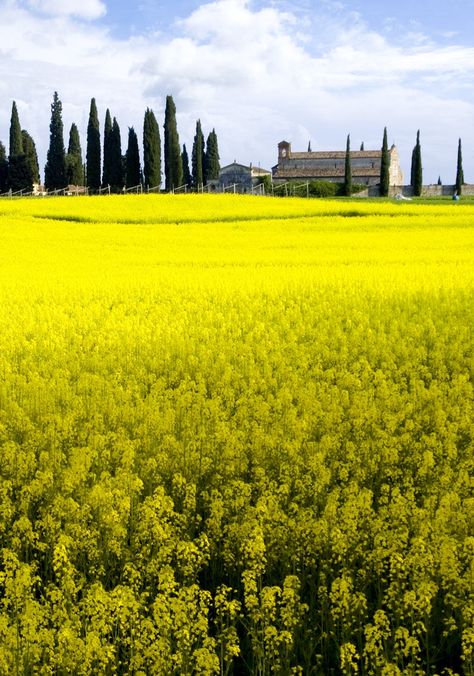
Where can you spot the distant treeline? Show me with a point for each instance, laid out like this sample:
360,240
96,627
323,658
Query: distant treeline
105,165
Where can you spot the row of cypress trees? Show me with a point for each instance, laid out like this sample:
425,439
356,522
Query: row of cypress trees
416,173
20,170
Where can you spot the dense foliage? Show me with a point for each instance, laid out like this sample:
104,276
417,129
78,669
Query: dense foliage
236,436
385,166
93,158
55,170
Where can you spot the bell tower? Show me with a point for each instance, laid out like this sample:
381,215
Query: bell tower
284,151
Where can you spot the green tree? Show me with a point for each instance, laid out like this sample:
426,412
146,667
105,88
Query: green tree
362,146
459,170
187,178
173,161
55,169
211,161
116,161
384,166
74,168
16,140
19,174
197,158
348,169
132,161
93,149
3,169
416,167
29,149
151,150
108,143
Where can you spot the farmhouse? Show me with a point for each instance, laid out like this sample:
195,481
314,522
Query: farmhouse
329,165
241,177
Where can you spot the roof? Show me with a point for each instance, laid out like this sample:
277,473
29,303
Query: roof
324,172
336,155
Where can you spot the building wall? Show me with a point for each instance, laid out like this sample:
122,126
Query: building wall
433,190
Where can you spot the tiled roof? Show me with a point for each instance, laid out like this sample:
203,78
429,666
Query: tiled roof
336,155
314,172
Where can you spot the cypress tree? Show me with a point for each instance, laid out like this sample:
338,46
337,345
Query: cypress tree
197,158
55,169
459,171
211,162
348,169
173,160
151,150
16,140
3,169
362,146
132,161
416,167
74,168
116,160
187,179
107,163
384,166
440,182
29,150
93,149
19,174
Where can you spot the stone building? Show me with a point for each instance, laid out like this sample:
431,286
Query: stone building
240,178
329,166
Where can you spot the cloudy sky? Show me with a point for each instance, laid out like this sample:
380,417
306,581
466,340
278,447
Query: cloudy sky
259,71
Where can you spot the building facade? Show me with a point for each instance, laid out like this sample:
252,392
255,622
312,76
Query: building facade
330,166
240,178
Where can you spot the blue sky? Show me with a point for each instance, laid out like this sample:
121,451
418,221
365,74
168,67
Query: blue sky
256,70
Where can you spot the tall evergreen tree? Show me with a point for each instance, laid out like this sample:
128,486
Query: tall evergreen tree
198,157
29,150
74,167
19,173
384,166
116,161
416,167
187,178
173,160
16,140
106,164
133,171
362,146
459,171
348,169
3,169
55,169
151,150
211,162
93,149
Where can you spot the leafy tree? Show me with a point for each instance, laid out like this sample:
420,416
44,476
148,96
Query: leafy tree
55,169
173,161
29,149
151,150
459,170
116,162
93,149
74,168
416,167
187,178
348,169
197,158
107,163
133,171
3,169
211,161
384,166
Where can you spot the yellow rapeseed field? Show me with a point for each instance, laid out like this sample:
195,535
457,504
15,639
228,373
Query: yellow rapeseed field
236,436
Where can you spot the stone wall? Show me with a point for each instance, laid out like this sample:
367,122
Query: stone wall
433,190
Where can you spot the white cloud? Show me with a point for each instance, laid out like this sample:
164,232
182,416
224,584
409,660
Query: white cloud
84,9
257,75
